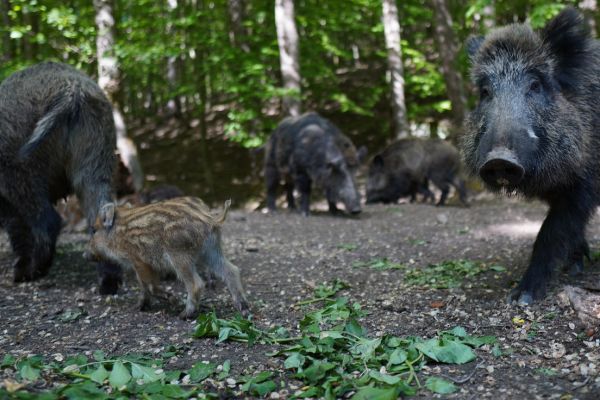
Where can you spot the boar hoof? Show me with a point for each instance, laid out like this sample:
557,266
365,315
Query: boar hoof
521,297
144,304
187,314
108,285
23,272
576,269
244,308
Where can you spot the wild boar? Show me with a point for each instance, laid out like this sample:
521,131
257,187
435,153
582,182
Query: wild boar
536,131
179,235
406,166
309,149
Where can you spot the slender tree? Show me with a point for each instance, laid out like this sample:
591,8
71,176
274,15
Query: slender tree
109,80
590,10
448,51
391,27
6,53
287,38
237,31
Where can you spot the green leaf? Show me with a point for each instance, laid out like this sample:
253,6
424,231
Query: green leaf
99,375
8,361
398,356
385,378
200,371
145,373
371,393
295,360
439,385
446,351
29,373
119,376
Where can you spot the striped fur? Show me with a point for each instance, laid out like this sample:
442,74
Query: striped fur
180,235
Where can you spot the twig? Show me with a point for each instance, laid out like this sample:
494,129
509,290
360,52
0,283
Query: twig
465,379
582,384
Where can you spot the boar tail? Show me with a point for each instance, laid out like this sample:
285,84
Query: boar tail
63,109
220,218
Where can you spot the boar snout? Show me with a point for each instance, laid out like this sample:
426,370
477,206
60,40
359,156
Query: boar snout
501,169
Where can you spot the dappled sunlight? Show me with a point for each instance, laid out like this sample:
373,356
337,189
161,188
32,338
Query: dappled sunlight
517,229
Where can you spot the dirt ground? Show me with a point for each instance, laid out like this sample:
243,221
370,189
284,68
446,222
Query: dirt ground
283,256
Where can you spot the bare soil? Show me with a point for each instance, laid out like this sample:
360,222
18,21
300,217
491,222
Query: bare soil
283,256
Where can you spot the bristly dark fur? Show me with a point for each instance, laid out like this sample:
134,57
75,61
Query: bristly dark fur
57,137
405,167
309,149
561,165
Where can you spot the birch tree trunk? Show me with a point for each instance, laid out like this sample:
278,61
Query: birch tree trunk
391,27
448,50
108,80
287,38
237,31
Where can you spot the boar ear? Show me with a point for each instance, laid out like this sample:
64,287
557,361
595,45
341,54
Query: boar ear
567,37
473,44
378,161
362,154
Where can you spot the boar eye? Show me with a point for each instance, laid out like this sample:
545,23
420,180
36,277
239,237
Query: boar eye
484,93
535,86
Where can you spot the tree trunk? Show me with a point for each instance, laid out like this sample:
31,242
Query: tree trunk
590,10
237,31
173,104
287,38
448,51
391,27
7,45
109,80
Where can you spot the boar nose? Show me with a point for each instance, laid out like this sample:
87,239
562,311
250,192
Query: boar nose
356,210
501,168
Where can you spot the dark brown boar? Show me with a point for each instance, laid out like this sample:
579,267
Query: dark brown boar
180,235
57,137
310,149
406,166
536,131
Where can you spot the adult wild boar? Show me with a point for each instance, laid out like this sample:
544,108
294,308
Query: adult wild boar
406,166
535,131
56,137
308,149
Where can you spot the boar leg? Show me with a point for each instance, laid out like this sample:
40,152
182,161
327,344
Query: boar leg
33,232
460,186
148,281
302,182
289,192
185,268
272,182
576,260
562,230
216,264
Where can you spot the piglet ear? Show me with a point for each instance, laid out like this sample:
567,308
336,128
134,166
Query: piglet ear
473,44
568,39
106,216
378,161
362,154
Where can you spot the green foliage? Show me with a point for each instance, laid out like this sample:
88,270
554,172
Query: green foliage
447,274
378,263
335,355
129,376
192,54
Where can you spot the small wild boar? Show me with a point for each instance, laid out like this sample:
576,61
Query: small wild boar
406,166
309,149
57,137
178,235
536,131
